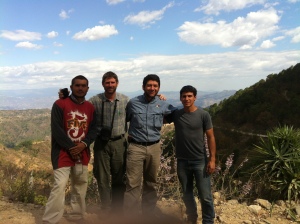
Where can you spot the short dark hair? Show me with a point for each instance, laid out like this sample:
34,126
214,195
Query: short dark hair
79,77
109,74
188,88
151,77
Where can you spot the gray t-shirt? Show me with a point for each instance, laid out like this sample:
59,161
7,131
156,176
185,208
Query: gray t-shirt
189,133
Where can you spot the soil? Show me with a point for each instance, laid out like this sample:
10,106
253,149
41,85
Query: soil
226,212
173,212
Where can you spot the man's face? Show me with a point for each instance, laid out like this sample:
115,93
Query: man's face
151,88
79,88
110,85
187,99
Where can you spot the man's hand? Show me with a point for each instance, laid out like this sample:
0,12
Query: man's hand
211,167
74,151
162,97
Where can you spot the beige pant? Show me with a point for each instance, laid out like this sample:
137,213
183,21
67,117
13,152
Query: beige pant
142,164
79,180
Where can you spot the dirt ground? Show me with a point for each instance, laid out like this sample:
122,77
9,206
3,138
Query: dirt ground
173,213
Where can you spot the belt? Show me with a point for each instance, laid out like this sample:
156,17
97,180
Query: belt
143,143
116,138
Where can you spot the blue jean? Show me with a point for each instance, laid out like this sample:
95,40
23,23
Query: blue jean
187,171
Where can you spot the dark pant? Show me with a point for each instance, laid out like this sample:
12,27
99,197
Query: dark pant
187,171
109,170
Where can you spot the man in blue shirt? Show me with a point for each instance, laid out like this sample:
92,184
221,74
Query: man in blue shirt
145,114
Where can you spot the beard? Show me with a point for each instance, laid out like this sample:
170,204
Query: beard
110,90
150,96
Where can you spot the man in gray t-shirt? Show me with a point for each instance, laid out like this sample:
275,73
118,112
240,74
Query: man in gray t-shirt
191,126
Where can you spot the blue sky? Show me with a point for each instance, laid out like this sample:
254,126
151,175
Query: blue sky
213,45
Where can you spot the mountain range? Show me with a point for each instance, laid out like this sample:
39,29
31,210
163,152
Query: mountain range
24,99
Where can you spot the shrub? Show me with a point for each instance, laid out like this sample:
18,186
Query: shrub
278,159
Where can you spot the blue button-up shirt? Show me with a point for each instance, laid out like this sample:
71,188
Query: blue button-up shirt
146,118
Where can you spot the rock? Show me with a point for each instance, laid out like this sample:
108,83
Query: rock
221,219
233,202
280,203
263,203
217,195
255,209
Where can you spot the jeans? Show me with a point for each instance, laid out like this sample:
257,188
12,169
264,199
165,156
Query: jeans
187,171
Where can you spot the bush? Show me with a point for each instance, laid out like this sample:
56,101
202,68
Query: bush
278,159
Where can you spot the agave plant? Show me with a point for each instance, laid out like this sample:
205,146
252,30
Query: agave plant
279,155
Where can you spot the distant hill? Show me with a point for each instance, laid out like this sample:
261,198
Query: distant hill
264,105
43,98
18,123
24,125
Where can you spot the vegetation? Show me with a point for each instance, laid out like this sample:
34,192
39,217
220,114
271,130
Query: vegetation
262,106
24,125
278,159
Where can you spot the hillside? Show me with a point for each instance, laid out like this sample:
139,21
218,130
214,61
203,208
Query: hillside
23,125
262,106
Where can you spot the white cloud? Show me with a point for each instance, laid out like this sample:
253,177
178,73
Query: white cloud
146,18
65,14
52,34
278,38
295,34
114,2
240,70
57,44
215,6
28,45
96,33
243,32
20,35
267,44
293,1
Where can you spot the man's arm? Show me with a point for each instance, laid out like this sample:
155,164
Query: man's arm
211,166
57,128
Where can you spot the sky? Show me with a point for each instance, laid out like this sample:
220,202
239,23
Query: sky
213,45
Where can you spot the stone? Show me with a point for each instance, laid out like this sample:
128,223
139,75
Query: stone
263,203
233,202
217,195
255,209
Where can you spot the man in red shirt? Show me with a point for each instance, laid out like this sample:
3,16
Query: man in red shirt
73,129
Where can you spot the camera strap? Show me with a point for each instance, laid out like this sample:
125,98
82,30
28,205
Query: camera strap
112,122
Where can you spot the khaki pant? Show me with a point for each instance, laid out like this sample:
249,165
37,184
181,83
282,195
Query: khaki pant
55,205
142,164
